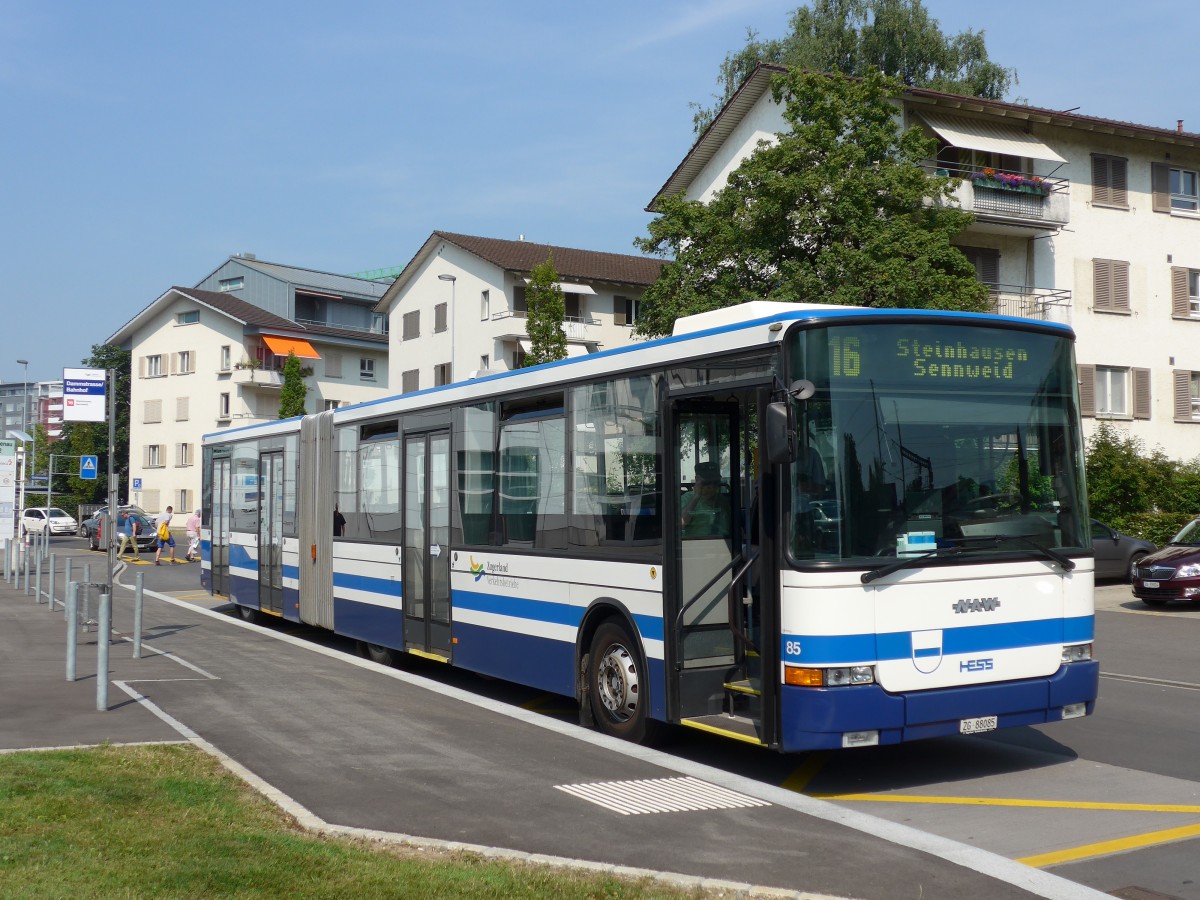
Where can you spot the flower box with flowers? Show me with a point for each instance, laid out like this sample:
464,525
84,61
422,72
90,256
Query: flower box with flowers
1010,181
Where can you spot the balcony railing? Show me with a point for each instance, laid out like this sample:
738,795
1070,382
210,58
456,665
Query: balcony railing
258,378
1014,198
1047,304
575,327
364,329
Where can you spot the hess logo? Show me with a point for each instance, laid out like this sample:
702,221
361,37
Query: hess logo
975,665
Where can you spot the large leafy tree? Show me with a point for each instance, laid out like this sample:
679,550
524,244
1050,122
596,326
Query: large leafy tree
545,311
839,209
294,390
896,37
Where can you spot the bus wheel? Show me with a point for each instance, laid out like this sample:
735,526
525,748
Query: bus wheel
615,684
385,656
248,614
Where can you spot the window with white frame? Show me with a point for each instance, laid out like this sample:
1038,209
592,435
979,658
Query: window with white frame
183,454
1112,391
1184,190
332,404
625,310
485,362
485,305
185,362
189,317
366,369
223,406
1194,292
232,284
154,365
1187,395
185,500
154,456
226,358
1195,395
441,374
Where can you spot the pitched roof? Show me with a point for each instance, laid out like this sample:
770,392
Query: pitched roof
520,257
758,82
349,286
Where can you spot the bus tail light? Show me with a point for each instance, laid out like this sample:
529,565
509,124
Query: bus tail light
838,676
1077,653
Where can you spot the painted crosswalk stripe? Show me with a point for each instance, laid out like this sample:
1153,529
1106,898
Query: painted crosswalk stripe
658,795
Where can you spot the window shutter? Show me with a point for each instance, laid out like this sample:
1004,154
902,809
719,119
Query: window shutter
1101,181
619,311
181,409
173,362
1117,172
1160,187
141,367
333,364
1120,285
1183,395
1141,393
1101,284
1087,390
1180,308
145,456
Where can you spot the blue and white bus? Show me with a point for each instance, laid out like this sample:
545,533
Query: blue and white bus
801,526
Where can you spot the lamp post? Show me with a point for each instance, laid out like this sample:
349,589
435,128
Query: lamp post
25,426
452,279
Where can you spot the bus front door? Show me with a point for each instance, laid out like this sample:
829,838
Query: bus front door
713,566
219,541
426,567
270,532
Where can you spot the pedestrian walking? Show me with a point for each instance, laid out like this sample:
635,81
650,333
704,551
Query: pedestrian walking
162,526
193,533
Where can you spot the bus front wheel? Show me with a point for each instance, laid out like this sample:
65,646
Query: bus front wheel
616,683
377,653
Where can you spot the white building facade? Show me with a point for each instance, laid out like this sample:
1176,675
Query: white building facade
203,361
457,310
1081,220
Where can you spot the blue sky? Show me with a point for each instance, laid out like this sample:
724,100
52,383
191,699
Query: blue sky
144,142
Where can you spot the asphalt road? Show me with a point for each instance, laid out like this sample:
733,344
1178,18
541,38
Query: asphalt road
1111,801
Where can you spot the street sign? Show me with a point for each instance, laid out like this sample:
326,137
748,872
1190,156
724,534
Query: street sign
137,484
87,468
83,395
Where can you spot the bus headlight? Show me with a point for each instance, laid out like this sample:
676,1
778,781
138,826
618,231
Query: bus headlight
838,676
1077,653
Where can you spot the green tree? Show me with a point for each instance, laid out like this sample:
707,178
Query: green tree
291,397
896,37
838,210
91,438
545,311
1116,474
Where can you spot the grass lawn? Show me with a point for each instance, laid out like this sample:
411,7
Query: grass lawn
169,821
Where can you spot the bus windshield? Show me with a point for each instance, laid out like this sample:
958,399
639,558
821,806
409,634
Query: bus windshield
926,436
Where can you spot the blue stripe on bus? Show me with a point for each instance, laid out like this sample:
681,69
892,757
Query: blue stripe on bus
368,622
821,649
651,627
388,587
240,557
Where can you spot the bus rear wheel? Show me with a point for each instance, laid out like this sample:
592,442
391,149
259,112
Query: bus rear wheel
385,656
248,614
616,683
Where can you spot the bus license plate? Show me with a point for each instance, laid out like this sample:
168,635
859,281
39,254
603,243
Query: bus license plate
978,725
1150,584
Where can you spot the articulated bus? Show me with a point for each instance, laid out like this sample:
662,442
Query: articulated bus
800,526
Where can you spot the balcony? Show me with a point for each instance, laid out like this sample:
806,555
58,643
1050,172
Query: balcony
1027,203
256,379
1045,304
575,328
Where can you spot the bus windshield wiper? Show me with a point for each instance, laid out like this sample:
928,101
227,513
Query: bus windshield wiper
1065,561
905,562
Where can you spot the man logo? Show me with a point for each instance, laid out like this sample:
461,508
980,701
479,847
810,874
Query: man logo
976,604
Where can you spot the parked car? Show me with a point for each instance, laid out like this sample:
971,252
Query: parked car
89,525
40,519
1116,553
146,539
1172,573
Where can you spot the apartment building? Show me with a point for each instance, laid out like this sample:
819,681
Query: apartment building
1078,219
205,360
457,309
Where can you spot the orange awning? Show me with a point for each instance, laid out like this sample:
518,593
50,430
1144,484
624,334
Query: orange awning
282,346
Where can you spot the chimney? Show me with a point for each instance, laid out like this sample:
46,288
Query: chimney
520,237
1179,126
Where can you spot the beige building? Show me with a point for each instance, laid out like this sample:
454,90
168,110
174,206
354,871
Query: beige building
457,310
1080,220
205,361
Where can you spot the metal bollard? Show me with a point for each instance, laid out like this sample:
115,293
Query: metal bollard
8,560
66,581
25,563
137,615
50,584
37,583
102,645
72,627
87,594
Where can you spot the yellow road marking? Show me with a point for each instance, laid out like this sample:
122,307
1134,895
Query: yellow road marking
1103,848
1014,802
808,770
700,726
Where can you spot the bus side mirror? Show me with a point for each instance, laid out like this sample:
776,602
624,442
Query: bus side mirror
780,433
